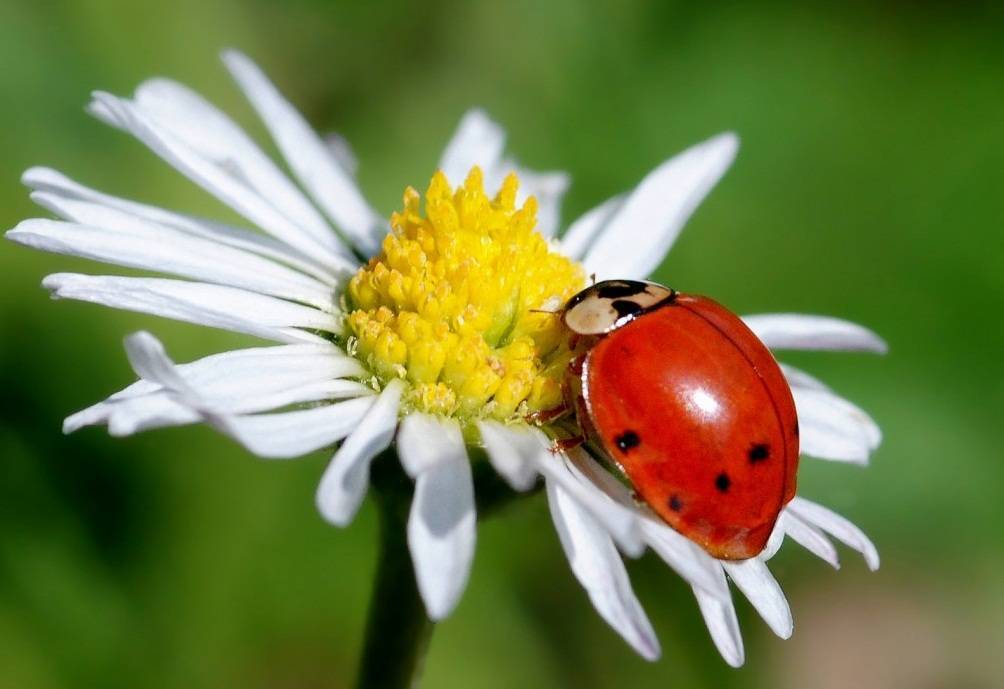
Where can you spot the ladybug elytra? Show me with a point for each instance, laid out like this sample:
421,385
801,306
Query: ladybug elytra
685,400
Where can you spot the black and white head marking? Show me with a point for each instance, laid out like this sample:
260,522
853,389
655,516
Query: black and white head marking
608,305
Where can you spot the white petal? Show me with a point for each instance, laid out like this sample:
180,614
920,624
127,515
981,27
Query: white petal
238,382
211,305
150,362
315,391
683,555
839,527
621,522
800,331
597,565
549,190
295,433
73,201
809,537
798,378
830,427
331,187
426,440
262,369
441,524
157,410
581,233
341,150
216,177
686,558
281,435
344,483
139,244
161,408
258,370
775,541
637,238
759,585
512,451
206,130
720,617
478,141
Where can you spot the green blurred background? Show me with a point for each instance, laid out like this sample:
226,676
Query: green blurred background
869,186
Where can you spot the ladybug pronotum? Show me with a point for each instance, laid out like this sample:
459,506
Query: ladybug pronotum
684,399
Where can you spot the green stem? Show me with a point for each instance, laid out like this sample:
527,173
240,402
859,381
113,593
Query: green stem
397,629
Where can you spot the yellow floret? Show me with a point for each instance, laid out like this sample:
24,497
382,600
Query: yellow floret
456,304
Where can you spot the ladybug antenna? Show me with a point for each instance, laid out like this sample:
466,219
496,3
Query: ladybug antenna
592,278
552,306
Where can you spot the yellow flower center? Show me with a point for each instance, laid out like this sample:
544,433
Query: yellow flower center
460,301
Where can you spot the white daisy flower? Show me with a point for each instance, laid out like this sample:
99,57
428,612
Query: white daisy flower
423,335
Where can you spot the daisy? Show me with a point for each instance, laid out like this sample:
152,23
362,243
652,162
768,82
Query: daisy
424,335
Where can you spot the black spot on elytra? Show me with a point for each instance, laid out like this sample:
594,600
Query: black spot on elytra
619,290
758,452
625,307
723,482
796,428
628,440
674,503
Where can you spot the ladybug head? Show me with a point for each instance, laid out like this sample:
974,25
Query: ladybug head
607,305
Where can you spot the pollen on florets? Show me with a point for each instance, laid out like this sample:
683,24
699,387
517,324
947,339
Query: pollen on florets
456,304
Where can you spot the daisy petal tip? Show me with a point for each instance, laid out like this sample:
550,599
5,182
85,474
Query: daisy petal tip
103,106
237,62
872,560
332,507
335,515
735,657
650,650
479,117
141,342
227,54
632,544
439,597
728,144
870,342
438,610
54,283
40,198
36,175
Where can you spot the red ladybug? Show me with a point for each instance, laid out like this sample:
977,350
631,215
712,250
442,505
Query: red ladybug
685,400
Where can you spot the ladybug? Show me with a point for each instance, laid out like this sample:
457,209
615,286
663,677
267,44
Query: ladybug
685,400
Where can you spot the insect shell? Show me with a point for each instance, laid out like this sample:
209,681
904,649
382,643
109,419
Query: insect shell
685,400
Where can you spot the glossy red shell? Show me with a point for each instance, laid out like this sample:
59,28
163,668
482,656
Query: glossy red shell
696,412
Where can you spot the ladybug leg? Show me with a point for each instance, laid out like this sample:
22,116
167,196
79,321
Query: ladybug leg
547,415
576,364
568,395
565,444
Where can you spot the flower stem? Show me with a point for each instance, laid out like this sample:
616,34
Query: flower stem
397,629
